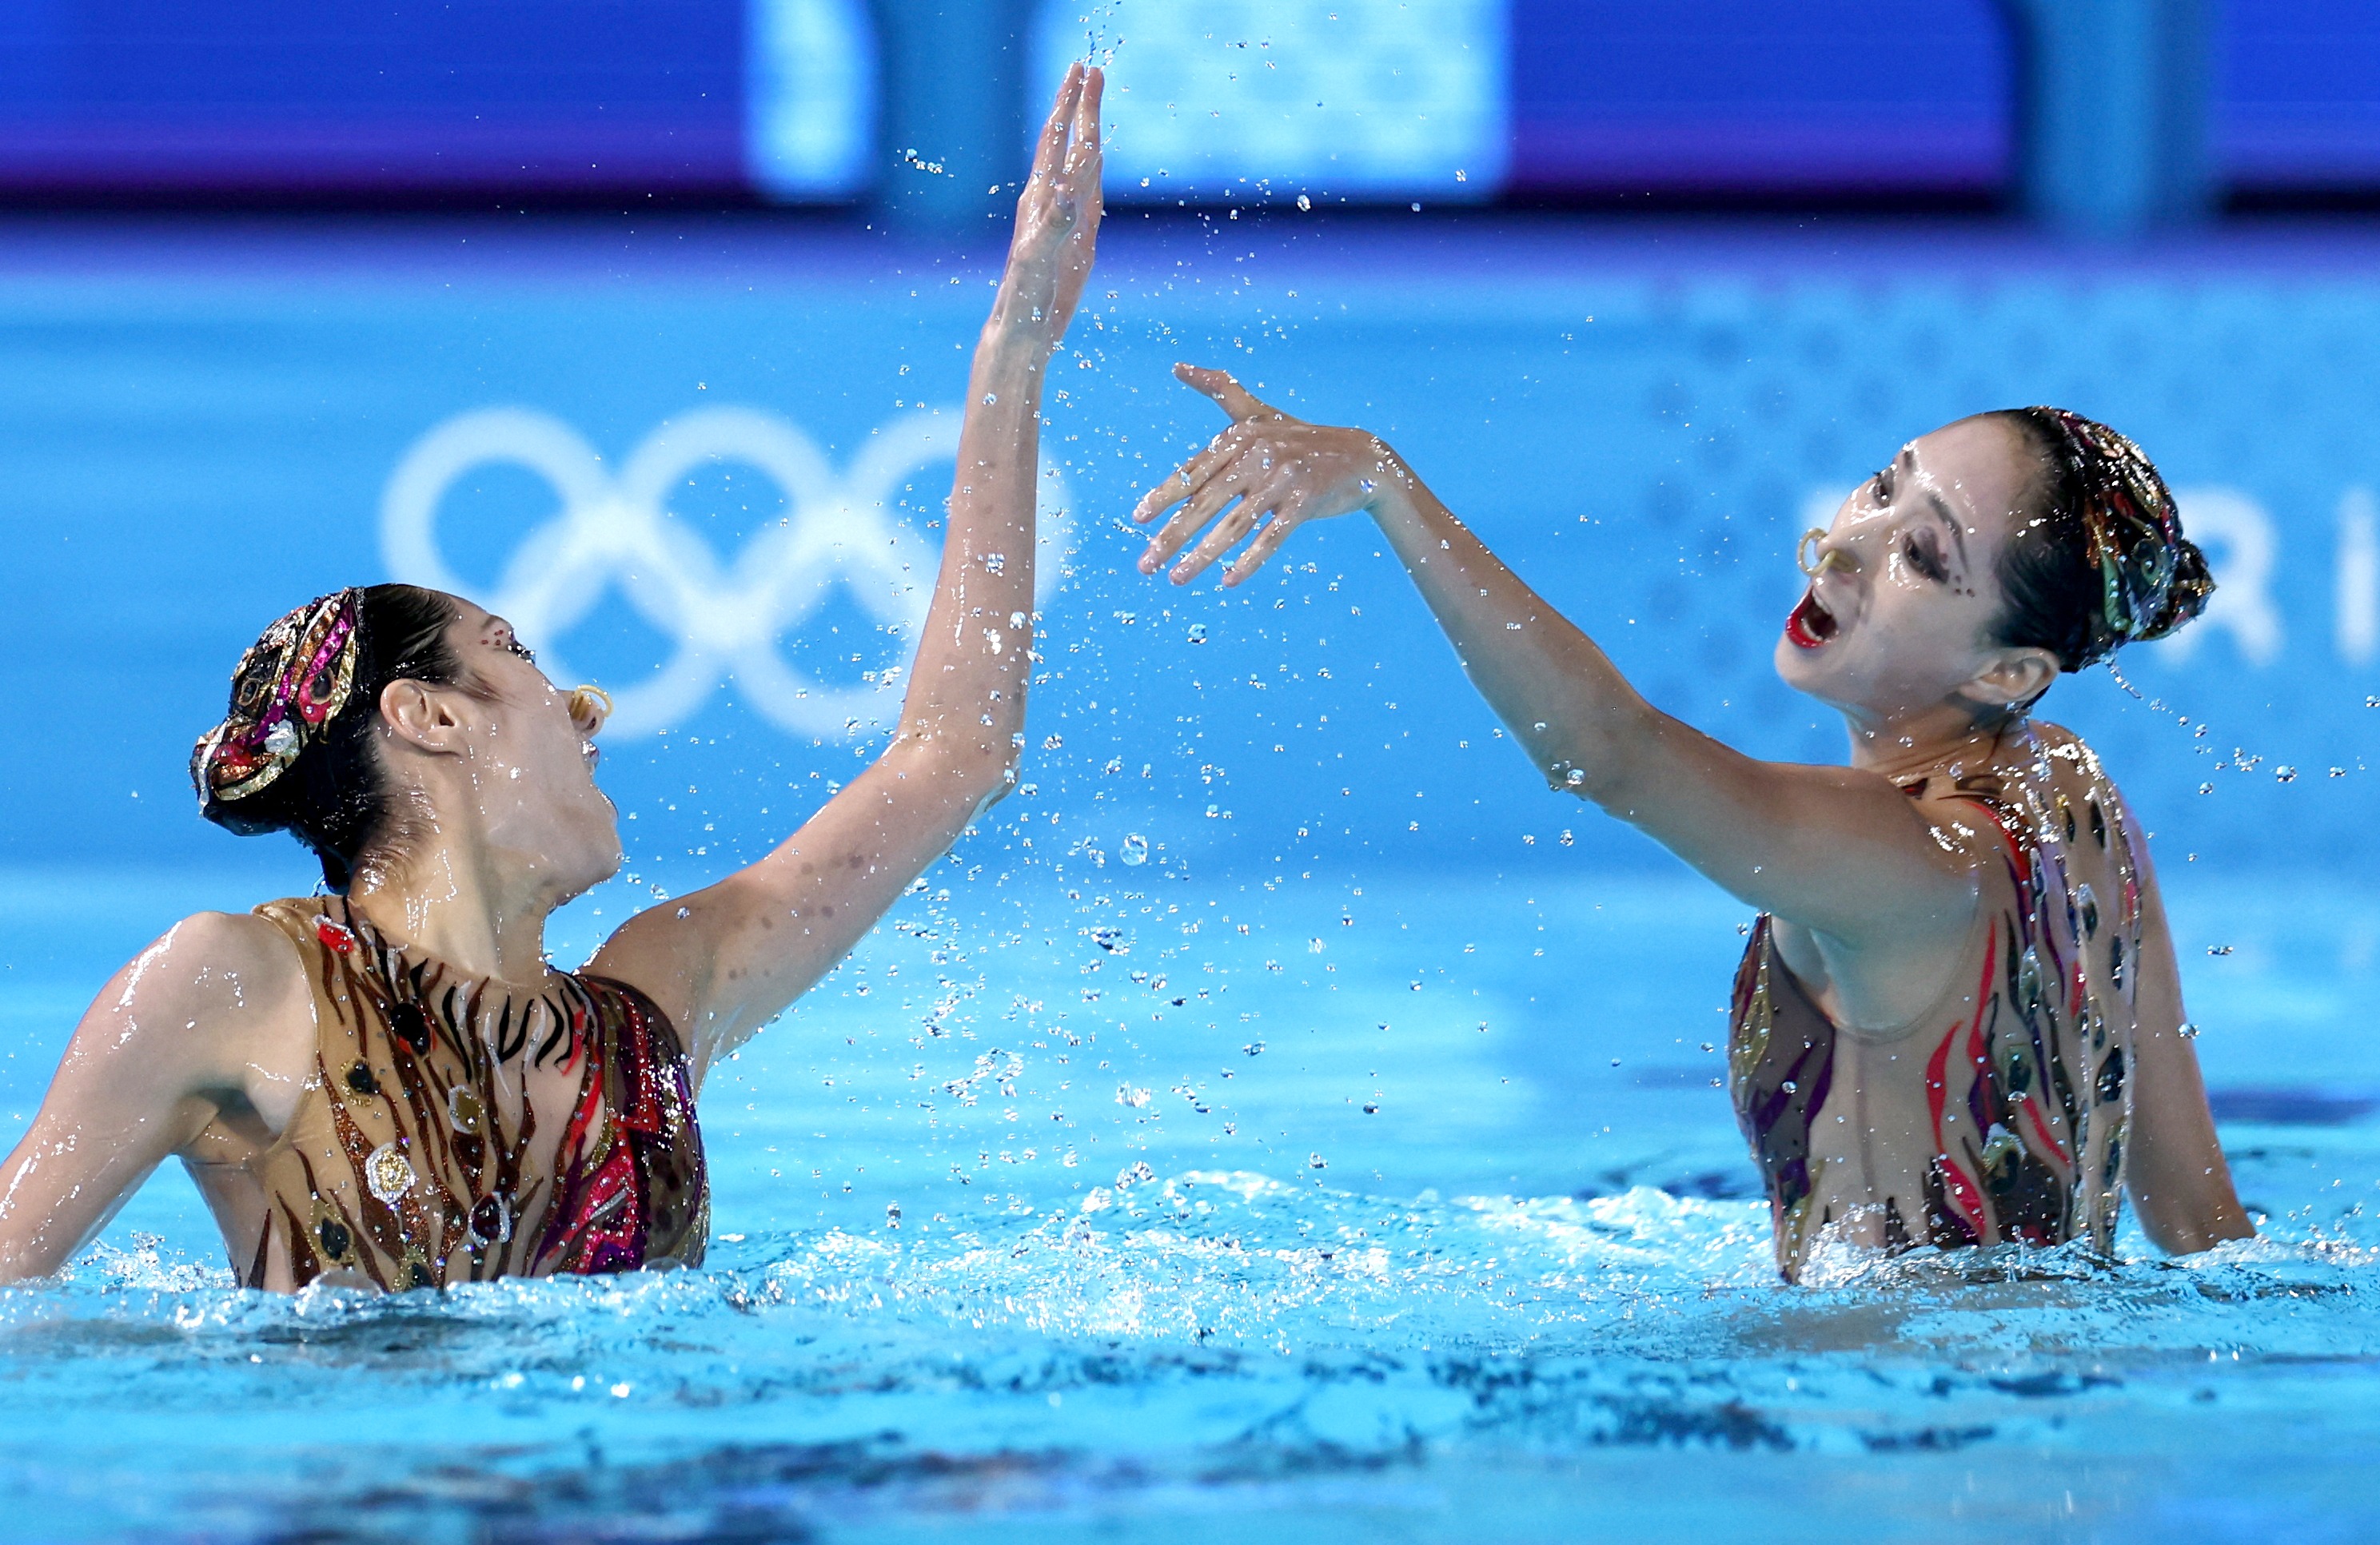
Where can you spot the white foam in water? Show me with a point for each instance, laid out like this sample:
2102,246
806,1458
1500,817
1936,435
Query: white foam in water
1193,1320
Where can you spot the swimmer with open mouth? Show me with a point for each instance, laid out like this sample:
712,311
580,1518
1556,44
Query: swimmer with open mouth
1958,1021
386,1086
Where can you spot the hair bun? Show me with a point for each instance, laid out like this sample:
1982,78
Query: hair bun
2150,578
289,685
2186,593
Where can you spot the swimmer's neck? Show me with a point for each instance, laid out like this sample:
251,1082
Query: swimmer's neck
1904,747
481,910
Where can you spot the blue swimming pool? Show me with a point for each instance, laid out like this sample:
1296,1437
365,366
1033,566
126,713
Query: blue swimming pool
1399,1210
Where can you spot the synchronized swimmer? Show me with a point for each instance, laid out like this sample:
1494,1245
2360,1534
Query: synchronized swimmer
1958,1021
388,1086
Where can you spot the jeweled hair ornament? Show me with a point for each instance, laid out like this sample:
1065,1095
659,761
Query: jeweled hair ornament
2134,536
290,683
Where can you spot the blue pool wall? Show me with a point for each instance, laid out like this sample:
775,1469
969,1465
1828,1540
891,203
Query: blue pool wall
203,427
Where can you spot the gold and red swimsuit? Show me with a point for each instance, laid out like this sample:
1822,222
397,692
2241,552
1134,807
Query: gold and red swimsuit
456,1128
1999,1115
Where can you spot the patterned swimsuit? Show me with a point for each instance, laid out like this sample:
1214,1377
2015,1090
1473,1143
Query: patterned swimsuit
1999,1115
419,1155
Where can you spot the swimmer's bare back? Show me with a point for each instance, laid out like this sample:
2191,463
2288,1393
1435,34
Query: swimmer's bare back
215,1040
1877,880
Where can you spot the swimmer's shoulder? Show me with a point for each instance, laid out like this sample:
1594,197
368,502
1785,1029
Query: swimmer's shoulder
214,979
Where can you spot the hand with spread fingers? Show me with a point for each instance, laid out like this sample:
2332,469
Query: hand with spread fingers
1268,473
1953,589
1057,216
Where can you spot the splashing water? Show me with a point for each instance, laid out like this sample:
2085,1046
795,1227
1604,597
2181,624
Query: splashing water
1533,1290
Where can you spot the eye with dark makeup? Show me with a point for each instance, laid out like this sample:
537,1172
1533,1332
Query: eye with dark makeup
1925,560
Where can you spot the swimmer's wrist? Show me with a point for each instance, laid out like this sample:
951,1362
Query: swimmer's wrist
1395,500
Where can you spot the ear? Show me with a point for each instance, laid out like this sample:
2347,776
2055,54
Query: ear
2010,682
424,717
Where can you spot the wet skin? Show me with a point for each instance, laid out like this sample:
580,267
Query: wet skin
1876,894
200,1047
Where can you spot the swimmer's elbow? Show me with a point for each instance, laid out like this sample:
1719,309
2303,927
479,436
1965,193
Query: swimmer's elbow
999,790
2180,1225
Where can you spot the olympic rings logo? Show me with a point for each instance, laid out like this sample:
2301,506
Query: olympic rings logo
617,532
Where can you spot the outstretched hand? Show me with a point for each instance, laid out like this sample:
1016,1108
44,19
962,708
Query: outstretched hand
1283,472
1058,214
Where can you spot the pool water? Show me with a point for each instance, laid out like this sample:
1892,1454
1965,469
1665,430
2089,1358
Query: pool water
1401,1211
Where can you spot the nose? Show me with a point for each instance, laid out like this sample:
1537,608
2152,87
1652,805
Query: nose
589,706
1814,541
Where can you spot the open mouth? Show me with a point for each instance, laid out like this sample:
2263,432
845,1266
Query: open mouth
1811,625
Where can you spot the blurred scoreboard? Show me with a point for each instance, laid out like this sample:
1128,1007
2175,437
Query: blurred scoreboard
1355,99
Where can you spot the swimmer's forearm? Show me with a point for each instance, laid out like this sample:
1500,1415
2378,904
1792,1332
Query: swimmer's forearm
967,688
1570,707
2175,1170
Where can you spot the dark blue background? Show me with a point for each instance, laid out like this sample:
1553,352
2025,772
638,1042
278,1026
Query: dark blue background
609,97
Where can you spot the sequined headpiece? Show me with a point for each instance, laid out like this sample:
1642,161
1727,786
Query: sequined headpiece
2134,535
291,682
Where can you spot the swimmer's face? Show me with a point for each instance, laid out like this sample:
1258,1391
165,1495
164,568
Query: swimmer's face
1901,616
532,759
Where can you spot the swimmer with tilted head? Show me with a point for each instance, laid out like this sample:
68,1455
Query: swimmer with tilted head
387,1086
1958,1021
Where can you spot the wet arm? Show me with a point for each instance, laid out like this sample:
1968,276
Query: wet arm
2175,1170
144,1075
726,961
1839,850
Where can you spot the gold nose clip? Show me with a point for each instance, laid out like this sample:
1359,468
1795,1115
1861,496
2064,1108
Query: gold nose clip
1833,558
593,702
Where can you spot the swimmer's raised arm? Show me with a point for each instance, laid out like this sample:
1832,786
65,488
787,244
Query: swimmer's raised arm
191,1031
725,961
1839,849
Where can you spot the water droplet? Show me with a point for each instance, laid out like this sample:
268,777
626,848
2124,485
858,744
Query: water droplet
1303,202
1316,1161
1197,632
990,397
1134,850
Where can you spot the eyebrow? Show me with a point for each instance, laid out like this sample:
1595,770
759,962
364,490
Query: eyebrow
1941,507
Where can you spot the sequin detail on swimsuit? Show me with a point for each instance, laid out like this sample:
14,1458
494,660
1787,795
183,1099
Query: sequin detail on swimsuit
458,1129
1998,1115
